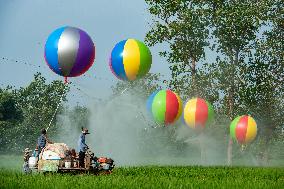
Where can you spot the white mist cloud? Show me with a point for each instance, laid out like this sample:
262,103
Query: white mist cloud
121,129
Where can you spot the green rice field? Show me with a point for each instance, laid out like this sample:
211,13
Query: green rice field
149,177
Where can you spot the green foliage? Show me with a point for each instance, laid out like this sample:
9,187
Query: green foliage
37,102
183,26
10,115
236,24
153,177
8,107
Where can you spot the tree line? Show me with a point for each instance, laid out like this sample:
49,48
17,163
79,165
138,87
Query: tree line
245,75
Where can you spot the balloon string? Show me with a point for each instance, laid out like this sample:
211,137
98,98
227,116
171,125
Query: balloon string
85,93
54,114
156,124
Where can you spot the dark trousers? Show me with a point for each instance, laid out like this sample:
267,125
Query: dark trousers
81,158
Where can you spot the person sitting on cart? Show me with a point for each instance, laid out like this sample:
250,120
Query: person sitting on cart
42,140
82,146
26,168
73,154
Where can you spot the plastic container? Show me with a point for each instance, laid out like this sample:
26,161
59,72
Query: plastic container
75,163
32,162
105,166
67,164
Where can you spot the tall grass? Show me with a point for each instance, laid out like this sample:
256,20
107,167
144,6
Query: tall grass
153,177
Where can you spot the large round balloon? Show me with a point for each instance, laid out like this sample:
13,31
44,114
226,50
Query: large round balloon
165,106
243,129
130,59
198,113
69,51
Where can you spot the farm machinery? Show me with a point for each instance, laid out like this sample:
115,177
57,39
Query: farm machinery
59,158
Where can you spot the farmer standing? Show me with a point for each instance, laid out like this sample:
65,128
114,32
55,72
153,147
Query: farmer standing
82,146
42,140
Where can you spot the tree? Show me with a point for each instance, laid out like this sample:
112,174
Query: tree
262,91
10,116
234,30
38,102
236,24
8,107
183,26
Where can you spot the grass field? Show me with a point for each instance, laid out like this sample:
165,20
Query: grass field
153,177
146,177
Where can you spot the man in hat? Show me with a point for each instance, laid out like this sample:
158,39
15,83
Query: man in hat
42,140
82,146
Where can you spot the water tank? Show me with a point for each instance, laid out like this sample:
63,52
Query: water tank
32,162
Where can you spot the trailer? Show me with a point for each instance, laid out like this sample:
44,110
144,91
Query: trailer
58,158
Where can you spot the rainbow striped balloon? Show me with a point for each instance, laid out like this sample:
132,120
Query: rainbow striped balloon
243,129
69,51
198,113
165,106
130,59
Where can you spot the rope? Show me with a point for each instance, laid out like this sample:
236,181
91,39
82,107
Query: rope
85,93
66,82
151,125
54,114
124,90
5,60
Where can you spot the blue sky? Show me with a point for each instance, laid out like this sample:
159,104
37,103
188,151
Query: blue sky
26,24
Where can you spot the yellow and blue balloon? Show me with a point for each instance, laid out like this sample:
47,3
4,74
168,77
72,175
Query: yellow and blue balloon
130,59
